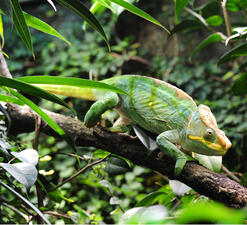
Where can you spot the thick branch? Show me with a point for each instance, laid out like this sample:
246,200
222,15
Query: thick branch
206,182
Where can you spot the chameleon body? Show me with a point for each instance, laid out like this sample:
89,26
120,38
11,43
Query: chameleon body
158,107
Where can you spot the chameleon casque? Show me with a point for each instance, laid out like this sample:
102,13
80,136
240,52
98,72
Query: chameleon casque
158,107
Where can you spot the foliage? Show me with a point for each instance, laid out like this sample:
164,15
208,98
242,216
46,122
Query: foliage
97,196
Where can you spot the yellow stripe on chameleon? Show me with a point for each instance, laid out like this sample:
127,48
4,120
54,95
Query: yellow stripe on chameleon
209,144
70,91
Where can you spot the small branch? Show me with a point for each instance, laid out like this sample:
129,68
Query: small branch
226,18
56,214
80,171
230,174
4,70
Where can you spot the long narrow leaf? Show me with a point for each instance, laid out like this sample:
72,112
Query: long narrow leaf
77,7
180,5
30,89
21,25
139,12
52,4
6,98
209,40
25,201
40,112
1,31
67,81
42,26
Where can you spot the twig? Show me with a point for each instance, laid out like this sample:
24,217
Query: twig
226,18
56,214
81,171
4,70
230,174
26,217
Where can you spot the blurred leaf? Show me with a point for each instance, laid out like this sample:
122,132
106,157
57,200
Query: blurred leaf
210,8
133,9
239,86
28,156
115,166
179,188
77,7
52,4
25,173
209,40
5,7
180,5
149,199
32,90
114,201
209,212
25,201
57,196
105,183
156,214
66,82
42,26
240,50
236,5
187,24
214,20
21,25
42,114
211,162
1,31
7,98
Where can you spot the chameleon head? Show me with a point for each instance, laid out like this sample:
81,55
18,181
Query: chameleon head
203,135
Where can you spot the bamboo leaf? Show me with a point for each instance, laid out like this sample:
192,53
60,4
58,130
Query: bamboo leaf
52,4
30,89
139,12
77,7
21,25
7,98
42,26
1,31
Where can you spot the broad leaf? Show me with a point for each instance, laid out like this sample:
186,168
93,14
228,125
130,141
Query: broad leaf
32,90
28,203
187,24
25,173
209,40
239,86
214,20
42,114
149,199
67,82
240,33
240,50
180,5
179,188
28,156
77,7
138,12
21,25
42,26
211,162
236,5
115,166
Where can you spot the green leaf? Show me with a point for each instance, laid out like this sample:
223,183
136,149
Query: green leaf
149,199
5,7
68,81
1,31
240,50
179,188
116,166
28,203
214,20
211,162
27,155
21,25
77,7
236,5
180,5
138,12
42,26
209,40
7,98
42,114
187,24
30,89
239,86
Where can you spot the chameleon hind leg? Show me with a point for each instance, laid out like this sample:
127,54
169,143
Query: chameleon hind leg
165,143
109,101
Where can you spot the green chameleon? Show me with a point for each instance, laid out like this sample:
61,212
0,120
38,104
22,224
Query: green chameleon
161,108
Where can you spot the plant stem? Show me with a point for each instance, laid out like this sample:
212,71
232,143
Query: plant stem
226,18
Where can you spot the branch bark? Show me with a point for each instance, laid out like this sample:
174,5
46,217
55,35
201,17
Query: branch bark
206,182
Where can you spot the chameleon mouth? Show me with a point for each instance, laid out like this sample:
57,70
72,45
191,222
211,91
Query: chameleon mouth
217,147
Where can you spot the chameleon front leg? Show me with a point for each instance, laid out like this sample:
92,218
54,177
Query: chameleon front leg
109,101
165,143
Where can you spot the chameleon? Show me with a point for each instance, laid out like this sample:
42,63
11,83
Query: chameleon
181,126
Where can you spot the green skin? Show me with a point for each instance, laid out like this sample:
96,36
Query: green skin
162,109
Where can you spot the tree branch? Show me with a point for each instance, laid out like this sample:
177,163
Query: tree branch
206,182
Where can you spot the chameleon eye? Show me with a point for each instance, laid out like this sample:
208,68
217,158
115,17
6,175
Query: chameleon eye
209,135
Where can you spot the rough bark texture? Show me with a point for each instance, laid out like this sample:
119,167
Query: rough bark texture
206,182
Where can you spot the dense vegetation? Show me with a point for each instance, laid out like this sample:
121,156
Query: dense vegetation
203,56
